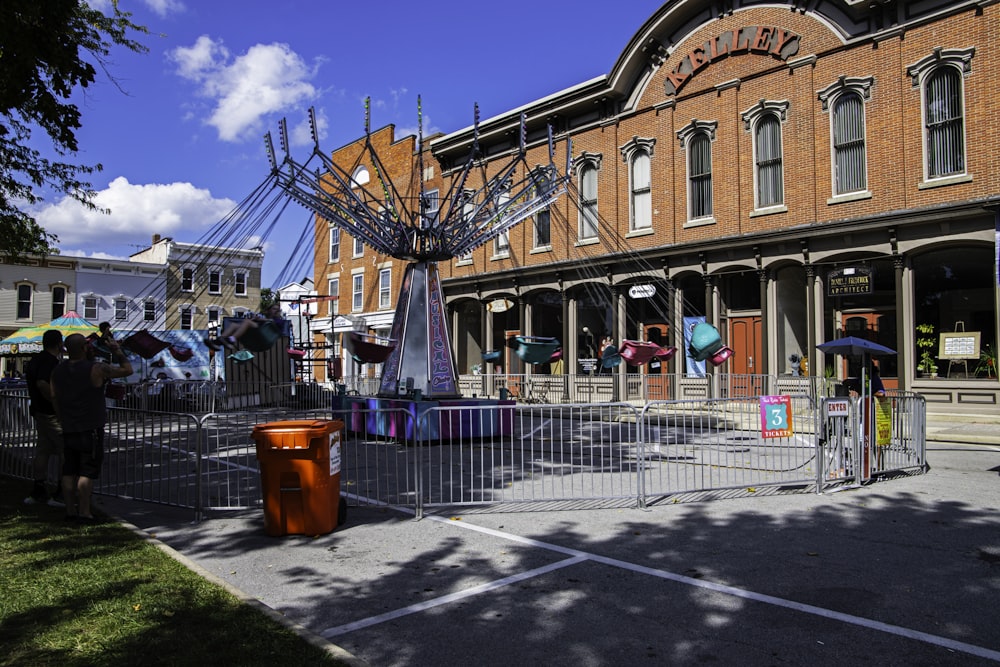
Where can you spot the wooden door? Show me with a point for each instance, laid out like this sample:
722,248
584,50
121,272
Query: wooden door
745,372
657,377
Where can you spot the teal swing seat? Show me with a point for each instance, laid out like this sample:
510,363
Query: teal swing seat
536,349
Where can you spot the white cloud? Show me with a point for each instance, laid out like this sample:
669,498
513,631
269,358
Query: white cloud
164,7
267,79
137,212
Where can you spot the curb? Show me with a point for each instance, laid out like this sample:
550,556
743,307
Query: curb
305,633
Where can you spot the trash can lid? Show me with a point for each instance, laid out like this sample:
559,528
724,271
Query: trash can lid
294,425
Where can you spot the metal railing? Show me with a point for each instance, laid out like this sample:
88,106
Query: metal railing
507,454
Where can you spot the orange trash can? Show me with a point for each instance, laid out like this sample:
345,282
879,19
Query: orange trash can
300,475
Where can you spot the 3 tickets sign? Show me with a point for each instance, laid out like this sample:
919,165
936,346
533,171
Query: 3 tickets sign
776,416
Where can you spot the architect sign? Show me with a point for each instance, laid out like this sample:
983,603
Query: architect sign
849,280
761,39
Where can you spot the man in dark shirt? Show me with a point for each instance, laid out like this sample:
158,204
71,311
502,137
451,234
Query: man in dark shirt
47,428
78,397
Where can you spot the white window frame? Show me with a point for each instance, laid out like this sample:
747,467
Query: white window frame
61,303
357,292
185,311
638,155
187,277
149,310
588,207
91,308
120,305
24,288
501,243
385,288
334,248
215,275
241,281
333,289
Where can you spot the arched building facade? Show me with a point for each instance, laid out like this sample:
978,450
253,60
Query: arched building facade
790,172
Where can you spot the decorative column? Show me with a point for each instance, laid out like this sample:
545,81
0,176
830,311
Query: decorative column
811,321
568,351
763,366
902,355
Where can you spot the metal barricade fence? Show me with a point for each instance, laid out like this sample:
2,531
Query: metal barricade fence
532,453
17,434
562,455
719,445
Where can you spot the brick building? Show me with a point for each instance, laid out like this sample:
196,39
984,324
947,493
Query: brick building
790,172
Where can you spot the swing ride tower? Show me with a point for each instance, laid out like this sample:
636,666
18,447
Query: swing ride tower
404,223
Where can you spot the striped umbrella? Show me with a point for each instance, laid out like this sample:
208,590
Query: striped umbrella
29,339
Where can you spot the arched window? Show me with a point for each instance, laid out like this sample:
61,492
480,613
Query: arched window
768,163
361,176
589,166
637,153
543,219
944,123
849,158
700,177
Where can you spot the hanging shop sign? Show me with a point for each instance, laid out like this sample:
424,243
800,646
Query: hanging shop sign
849,280
641,291
760,39
499,305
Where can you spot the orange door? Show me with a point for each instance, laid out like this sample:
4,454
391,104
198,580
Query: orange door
657,379
745,372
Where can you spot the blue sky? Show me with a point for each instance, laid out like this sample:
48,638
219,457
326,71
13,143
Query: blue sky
179,130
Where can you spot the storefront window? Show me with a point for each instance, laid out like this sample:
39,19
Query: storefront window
953,289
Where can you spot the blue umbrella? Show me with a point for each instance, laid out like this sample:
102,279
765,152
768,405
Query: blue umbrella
854,346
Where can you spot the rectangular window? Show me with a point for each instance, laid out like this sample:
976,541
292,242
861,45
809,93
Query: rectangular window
430,205
214,315
24,294
588,203
90,308
214,282
58,302
334,244
240,287
767,140
187,279
187,315
149,311
357,296
359,247
700,179
850,171
642,199
333,289
121,309
384,289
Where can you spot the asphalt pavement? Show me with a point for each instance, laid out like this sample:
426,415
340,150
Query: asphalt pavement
899,572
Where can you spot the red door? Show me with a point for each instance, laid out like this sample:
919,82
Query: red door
745,372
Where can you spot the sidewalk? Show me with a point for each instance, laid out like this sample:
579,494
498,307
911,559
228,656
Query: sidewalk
980,429
902,571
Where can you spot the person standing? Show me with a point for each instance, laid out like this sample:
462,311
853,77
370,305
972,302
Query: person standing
47,428
78,397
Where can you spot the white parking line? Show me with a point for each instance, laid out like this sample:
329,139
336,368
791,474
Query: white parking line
447,599
576,556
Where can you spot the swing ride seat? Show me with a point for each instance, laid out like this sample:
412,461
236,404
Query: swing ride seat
181,353
145,344
368,348
491,355
261,337
705,341
637,352
610,357
536,349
